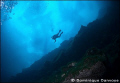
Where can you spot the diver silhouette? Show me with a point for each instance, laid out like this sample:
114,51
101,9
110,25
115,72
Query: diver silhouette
56,36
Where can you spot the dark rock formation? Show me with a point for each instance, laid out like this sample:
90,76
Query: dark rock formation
95,72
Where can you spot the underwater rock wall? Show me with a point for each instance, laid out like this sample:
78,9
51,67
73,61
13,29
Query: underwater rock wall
96,71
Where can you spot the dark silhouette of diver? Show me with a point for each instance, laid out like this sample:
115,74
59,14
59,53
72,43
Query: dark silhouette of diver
56,35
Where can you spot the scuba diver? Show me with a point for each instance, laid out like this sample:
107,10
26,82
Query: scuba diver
56,36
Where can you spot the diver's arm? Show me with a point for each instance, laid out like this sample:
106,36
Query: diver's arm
55,40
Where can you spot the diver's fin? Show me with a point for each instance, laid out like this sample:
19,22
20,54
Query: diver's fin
59,30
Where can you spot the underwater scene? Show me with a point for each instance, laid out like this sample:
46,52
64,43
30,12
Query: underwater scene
64,41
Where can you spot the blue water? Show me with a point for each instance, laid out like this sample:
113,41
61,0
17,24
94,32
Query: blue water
26,37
